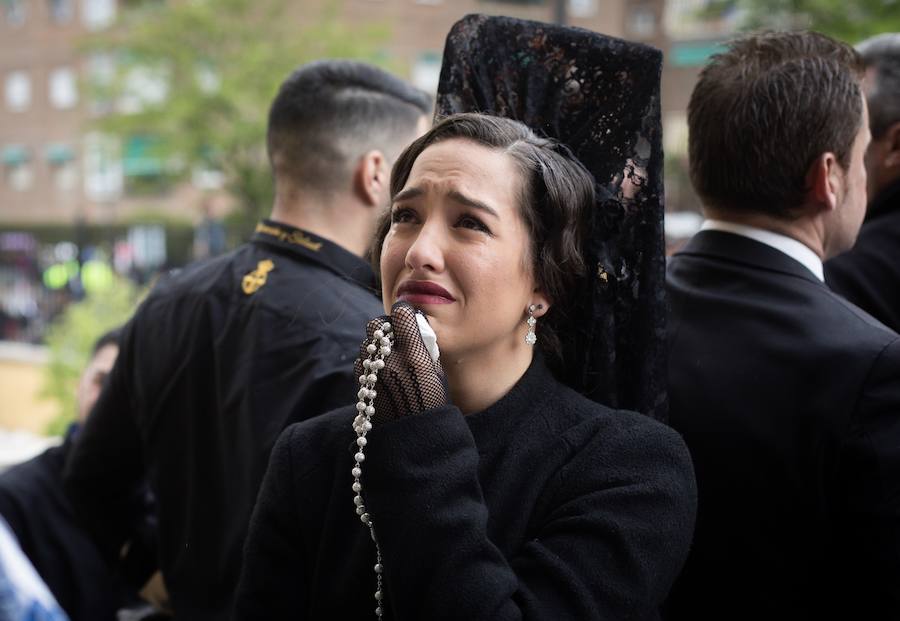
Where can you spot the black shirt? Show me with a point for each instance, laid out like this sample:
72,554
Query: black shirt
543,506
34,505
218,360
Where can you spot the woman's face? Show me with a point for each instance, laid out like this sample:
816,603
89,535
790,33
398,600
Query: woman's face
458,249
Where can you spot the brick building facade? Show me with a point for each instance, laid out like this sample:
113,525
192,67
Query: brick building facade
56,170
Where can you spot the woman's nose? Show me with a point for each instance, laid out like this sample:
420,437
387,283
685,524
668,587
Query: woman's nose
426,253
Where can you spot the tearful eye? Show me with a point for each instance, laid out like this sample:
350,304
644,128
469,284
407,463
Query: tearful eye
402,214
471,222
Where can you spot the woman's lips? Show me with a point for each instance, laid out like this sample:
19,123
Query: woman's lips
423,292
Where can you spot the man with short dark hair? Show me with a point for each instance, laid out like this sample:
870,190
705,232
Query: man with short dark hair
787,396
225,354
869,274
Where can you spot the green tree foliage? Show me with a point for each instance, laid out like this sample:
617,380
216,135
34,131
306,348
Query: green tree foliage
71,339
221,62
848,21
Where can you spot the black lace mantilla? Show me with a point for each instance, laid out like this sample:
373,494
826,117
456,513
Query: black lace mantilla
600,96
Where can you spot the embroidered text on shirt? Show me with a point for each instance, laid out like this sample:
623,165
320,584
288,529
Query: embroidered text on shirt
292,237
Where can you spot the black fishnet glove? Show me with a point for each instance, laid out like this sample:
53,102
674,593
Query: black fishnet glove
410,382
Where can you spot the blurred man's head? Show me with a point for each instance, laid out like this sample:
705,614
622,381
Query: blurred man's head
103,357
778,127
881,55
335,124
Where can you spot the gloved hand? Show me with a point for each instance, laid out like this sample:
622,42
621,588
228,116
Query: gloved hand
410,382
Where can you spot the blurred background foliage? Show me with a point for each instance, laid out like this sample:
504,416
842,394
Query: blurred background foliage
848,21
220,64
71,339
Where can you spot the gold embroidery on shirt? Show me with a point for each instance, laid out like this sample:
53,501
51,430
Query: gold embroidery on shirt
257,278
292,237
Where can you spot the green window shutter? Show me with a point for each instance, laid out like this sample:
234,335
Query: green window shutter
693,54
15,154
140,157
59,153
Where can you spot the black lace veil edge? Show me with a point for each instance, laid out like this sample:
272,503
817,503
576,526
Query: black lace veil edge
600,96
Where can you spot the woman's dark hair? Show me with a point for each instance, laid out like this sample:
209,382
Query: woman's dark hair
556,201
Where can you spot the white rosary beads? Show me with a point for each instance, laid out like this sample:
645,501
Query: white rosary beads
378,349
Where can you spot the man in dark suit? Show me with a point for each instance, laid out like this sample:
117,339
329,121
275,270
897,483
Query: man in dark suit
787,395
869,274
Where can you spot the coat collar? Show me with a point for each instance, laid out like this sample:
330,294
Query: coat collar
316,249
746,251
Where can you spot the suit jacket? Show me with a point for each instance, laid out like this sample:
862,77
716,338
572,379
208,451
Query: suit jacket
788,398
869,274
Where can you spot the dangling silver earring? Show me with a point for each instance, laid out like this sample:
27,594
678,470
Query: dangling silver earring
530,336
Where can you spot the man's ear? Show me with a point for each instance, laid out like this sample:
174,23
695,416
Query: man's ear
370,179
825,180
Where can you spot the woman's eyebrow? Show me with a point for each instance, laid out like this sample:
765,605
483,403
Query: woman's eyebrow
407,194
455,195
471,202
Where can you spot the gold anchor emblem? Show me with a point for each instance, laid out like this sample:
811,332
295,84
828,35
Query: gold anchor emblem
257,278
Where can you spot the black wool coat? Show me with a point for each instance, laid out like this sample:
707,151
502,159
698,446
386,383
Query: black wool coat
543,506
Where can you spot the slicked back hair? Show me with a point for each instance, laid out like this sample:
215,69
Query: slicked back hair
763,111
329,113
556,198
882,53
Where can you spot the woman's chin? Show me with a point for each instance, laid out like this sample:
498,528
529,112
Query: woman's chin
444,336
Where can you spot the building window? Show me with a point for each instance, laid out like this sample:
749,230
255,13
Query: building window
144,87
694,19
675,134
17,167
208,79
582,8
61,159
101,73
63,88
102,167
426,71
642,22
98,14
61,11
13,11
18,91
141,157
144,166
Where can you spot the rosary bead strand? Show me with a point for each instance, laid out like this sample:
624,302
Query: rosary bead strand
378,349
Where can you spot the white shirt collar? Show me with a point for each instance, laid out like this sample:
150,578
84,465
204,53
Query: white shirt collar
791,247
